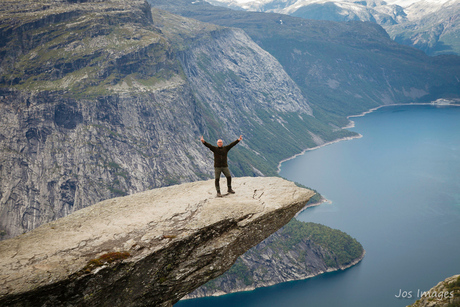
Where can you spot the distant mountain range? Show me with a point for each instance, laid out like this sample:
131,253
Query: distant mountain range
342,67
429,25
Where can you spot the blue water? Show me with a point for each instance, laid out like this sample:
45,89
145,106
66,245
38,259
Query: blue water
397,191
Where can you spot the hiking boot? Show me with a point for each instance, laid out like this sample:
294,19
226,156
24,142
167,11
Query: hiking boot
231,191
218,194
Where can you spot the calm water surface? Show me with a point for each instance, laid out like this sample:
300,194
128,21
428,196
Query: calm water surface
397,191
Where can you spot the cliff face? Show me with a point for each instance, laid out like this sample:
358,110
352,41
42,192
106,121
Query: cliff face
344,68
150,248
90,100
101,99
433,28
297,251
240,88
62,154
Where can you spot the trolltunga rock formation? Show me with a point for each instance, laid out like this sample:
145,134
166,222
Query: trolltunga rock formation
149,248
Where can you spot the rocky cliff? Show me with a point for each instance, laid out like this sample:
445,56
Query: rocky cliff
149,248
427,25
297,251
90,98
101,99
433,29
445,294
344,68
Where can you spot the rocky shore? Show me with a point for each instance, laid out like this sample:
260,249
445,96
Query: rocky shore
297,251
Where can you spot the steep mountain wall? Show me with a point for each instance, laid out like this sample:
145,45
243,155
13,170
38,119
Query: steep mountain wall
435,29
108,98
243,90
73,131
344,68
430,26
63,154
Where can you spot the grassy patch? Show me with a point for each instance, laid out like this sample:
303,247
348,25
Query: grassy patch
104,260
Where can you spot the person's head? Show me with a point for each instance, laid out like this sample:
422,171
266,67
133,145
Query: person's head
220,143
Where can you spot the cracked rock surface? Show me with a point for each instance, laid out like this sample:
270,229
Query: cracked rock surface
149,248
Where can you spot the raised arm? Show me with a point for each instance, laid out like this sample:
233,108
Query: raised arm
229,146
207,144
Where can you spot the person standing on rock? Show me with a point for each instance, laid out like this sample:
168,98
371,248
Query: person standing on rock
220,162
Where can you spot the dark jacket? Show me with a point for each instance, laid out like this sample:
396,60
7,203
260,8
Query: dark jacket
220,153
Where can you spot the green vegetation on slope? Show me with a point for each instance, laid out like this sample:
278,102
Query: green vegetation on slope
84,51
343,68
435,32
344,247
339,250
277,142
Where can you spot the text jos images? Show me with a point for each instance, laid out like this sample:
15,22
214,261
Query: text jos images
419,294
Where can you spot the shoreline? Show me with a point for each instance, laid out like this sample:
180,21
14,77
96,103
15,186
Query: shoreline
317,147
351,124
269,284
318,203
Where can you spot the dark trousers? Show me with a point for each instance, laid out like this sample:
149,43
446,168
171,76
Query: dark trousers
226,171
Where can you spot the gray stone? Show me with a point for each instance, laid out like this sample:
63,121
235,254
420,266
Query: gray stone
149,248
445,294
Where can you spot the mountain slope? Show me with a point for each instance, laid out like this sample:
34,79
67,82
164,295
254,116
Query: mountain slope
102,99
90,94
381,12
427,25
343,68
437,32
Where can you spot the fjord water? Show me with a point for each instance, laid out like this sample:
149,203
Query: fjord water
397,191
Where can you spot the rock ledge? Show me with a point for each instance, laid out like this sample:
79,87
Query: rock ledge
149,248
